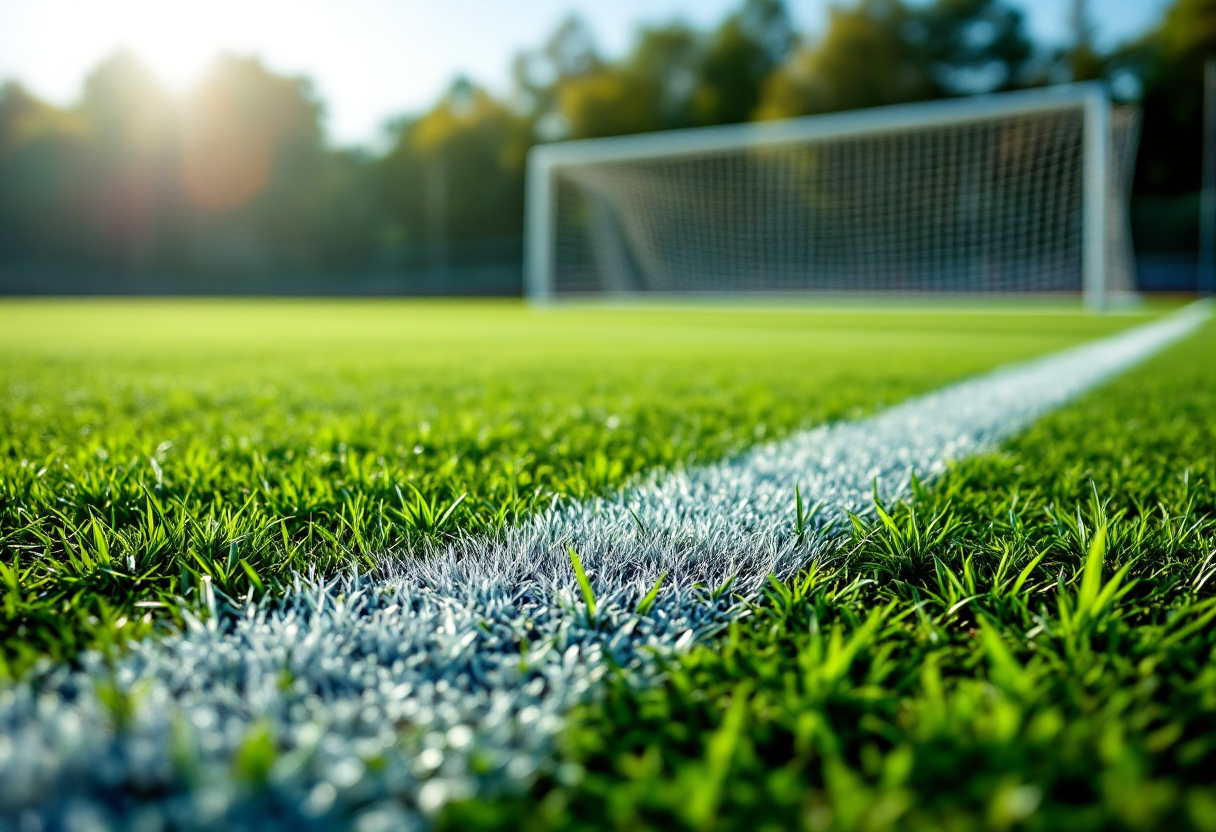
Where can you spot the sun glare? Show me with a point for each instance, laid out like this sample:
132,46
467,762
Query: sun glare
178,40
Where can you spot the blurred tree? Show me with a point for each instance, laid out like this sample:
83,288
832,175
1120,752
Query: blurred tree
465,160
1085,62
649,91
42,163
674,77
972,46
868,56
540,74
888,51
349,214
129,111
740,56
25,119
253,169
1168,67
238,179
1077,59
668,63
126,186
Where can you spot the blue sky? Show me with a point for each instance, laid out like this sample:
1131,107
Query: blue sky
374,59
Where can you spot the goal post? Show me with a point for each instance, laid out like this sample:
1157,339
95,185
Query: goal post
1020,192
1096,218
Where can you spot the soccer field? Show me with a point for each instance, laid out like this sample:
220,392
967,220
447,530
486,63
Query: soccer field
175,476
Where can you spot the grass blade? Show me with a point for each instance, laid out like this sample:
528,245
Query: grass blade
583,584
647,602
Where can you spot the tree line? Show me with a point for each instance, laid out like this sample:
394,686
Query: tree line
234,186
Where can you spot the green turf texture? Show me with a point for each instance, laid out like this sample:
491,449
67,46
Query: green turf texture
146,444
1029,644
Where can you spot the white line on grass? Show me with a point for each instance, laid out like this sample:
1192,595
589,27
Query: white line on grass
369,704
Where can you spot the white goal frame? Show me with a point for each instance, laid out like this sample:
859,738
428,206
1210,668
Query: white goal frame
545,161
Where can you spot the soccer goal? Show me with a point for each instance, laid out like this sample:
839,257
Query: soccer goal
1022,192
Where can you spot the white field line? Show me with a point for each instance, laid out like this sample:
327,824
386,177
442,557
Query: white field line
385,699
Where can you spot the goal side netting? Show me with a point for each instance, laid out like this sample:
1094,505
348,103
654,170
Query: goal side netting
1018,193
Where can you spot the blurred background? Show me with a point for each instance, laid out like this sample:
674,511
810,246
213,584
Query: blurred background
371,147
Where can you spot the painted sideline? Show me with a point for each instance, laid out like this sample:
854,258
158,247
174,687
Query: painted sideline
368,704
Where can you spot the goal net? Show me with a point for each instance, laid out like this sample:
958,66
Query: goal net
1023,192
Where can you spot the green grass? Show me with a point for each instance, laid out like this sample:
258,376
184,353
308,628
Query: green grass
1031,644
147,445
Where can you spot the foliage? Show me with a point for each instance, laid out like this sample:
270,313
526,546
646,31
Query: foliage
235,180
233,187
149,447
1027,645
1168,66
673,77
458,171
738,59
889,52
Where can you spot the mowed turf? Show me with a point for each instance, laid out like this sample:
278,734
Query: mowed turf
1028,644
145,446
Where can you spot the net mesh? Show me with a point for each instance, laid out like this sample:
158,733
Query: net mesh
987,206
